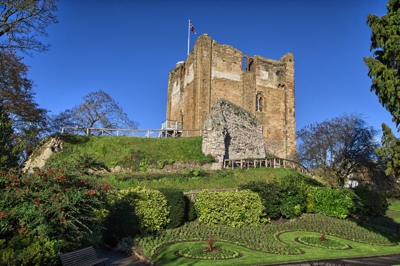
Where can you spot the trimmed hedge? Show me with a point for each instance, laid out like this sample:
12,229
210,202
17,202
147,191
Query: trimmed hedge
235,209
177,204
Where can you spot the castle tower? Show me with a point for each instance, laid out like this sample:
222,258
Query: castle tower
262,86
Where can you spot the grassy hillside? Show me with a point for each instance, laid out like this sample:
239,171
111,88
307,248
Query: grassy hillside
130,151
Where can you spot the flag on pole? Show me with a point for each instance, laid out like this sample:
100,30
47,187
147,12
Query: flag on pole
192,28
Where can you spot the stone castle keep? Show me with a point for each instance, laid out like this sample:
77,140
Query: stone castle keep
262,86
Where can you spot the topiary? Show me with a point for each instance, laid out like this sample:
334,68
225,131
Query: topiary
269,194
120,222
177,204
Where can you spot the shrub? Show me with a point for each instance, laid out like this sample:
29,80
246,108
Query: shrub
151,207
121,222
270,196
49,204
235,209
21,250
177,204
292,196
334,202
372,202
190,210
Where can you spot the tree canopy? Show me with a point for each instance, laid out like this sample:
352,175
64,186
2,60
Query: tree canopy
384,65
17,99
8,143
22,21
340,147
98,110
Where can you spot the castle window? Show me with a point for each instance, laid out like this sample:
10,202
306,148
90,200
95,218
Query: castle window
244,63
259,103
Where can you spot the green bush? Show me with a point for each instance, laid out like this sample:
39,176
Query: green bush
177,204
372,202
120,222
235,209
21,250
334,202
292,196
49,204
190,210
270,196
151,207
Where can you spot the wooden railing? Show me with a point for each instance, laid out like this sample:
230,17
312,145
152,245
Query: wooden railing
265,162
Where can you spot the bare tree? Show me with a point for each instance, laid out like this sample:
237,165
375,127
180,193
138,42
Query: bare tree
340,147
22,21
98,110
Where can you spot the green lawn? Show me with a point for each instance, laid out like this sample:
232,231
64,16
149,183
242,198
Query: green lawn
394,211
166,255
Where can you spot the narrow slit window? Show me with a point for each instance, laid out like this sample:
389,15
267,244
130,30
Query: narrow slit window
259,103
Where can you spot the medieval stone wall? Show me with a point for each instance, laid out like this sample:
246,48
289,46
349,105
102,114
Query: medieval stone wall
262,86
232,132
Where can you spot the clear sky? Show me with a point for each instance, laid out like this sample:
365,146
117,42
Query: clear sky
127,48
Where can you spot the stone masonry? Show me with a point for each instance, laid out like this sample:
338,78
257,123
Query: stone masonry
232,132
262,86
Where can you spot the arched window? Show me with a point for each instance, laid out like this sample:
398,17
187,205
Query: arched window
259,100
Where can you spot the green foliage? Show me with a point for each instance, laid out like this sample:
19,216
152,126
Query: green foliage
384,64
151,207
334,202
177,204
292,195
21,250
269,194
372,202
190,210
120,222
390,151
9,148
49,204
234,209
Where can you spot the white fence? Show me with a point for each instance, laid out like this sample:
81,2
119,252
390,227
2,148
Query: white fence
143,133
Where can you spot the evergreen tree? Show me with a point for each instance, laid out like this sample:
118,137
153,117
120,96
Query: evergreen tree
390,151
384,70
8,147
384,65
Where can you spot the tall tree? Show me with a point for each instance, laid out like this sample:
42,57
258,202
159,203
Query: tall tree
22,21
340,147
8,143
390,152
98,110
384,65
384,70
17,99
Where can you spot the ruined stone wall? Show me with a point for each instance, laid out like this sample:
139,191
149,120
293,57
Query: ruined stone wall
230,132
262,86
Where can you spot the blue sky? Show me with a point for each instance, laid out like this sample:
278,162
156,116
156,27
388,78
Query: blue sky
127,48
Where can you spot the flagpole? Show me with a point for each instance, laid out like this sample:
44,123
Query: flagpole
188,37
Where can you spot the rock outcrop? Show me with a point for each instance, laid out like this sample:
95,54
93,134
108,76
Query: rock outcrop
230,132
43,150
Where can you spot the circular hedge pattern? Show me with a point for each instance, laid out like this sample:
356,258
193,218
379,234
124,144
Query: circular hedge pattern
202,253
316,241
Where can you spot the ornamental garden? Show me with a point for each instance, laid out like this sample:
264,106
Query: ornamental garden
225,217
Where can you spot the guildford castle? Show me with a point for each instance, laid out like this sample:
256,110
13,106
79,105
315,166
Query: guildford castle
262,86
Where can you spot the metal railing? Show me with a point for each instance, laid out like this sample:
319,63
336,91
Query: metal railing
144,133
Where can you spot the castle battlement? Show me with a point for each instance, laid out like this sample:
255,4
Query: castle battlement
262,86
